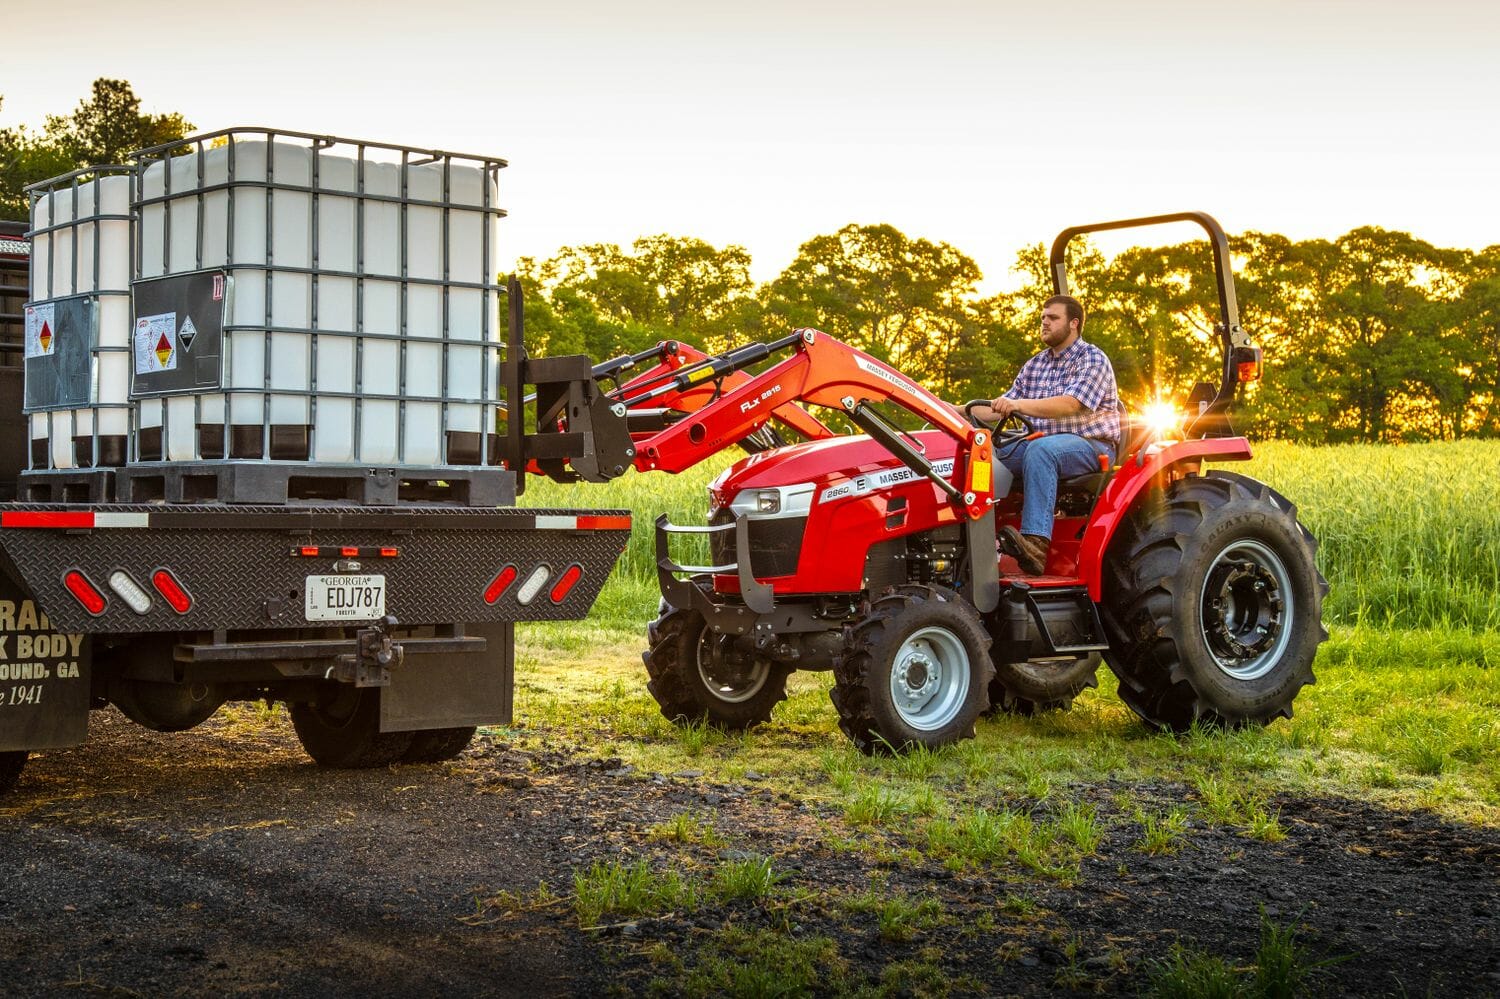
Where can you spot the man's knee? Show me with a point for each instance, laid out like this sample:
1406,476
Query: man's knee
1039,460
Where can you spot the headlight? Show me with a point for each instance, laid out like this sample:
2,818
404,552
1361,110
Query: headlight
787,501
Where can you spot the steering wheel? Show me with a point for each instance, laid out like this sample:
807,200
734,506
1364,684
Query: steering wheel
1002,437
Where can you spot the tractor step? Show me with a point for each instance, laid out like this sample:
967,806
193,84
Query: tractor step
1066,620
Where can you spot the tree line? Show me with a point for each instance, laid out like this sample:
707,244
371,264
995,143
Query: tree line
1373,336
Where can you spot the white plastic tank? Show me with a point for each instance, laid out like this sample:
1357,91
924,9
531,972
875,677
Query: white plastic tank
357,330
82,247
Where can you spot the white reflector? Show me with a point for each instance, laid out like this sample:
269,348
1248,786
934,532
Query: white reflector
130,591
533,584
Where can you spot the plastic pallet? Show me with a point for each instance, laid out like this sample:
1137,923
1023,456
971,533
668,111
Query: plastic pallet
261,483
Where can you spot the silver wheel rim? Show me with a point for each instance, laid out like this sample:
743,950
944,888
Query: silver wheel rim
729,693
1247,609
930,678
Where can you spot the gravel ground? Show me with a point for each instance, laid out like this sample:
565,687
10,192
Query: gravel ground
203,863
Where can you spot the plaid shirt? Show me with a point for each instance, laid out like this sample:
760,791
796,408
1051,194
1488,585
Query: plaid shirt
1082,372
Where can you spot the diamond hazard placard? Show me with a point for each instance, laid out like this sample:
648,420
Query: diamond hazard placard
41,329
156,343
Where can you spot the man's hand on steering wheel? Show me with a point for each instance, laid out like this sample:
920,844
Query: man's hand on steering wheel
991,414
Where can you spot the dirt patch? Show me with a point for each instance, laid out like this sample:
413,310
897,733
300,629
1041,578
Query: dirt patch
183,864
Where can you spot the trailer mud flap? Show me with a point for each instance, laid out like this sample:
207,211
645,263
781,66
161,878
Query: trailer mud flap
449,691
44,677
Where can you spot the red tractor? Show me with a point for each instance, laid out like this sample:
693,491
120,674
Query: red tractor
876,555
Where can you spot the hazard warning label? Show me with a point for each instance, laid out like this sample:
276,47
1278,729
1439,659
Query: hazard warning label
41,330
156,343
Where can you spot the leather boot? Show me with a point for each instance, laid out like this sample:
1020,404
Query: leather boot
1029,550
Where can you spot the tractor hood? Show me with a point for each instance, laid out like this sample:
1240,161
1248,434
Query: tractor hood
815,466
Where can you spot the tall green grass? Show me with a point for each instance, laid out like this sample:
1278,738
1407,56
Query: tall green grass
1409,535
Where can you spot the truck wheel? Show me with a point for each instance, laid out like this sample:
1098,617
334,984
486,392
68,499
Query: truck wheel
434,745
1213,604
1030,688
11,765
917,672
697,673
342,729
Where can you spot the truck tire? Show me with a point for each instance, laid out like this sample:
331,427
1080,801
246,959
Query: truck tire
342,729
434,745
1213,604
1030,688
917,672
12,762
689,684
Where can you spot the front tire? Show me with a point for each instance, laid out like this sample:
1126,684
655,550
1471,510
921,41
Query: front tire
1213,604
917,672
697,673
342,729
12,762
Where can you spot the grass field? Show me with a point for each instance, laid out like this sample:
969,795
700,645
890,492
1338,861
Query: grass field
1404,709
1403,714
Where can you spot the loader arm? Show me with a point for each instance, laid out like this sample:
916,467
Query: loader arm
824,372
676,357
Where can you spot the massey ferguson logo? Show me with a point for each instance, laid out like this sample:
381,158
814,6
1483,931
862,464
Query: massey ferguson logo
750,404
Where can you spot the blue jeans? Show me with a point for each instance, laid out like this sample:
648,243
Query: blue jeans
1040,464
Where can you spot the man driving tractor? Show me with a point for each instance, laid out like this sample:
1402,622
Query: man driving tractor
1067,393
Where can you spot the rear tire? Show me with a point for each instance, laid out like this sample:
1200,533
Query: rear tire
917,672
342,730
12,762
1213,604
435,745
1040,685
691,679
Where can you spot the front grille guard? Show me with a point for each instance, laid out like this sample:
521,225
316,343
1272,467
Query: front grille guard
758,597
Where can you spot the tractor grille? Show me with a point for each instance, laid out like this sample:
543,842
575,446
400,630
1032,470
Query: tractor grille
775,544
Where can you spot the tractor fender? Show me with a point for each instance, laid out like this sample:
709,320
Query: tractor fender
1134,478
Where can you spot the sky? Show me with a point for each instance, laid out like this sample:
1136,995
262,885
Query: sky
989,126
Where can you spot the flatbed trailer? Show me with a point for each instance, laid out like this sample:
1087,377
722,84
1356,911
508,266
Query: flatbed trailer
379,601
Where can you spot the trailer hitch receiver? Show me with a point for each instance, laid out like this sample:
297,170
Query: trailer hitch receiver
376,654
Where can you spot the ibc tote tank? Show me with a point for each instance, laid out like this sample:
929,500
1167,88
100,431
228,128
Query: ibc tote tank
78,320
359,307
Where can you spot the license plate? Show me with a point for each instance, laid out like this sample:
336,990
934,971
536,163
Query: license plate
345,598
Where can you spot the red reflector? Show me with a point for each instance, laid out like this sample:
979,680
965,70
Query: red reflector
311,551
570,577
93,601
348,552
1249,371
37,519
389,552
500,584
602,523
166,584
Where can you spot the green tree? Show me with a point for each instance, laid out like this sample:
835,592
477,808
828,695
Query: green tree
906,301
677,286
104,129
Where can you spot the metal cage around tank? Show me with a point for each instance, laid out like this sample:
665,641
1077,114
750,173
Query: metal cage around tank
355,280
77,319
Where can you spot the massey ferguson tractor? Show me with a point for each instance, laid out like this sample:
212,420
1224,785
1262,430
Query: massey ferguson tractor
875,556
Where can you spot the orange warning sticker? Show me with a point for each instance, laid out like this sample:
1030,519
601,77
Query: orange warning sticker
41,324
155,343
